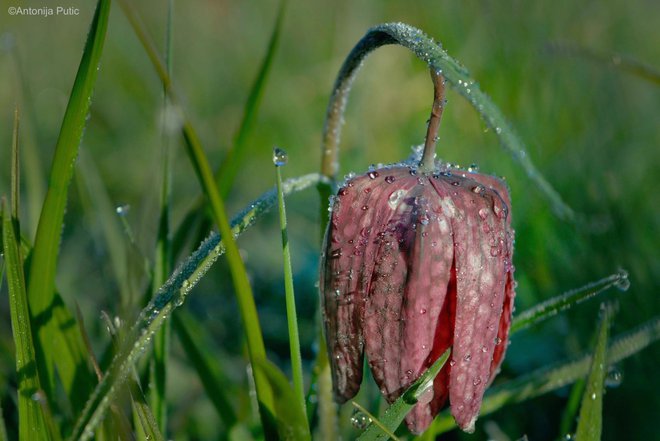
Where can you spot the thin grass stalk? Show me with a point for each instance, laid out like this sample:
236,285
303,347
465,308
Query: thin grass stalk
31,424
279,158
162,259
553,306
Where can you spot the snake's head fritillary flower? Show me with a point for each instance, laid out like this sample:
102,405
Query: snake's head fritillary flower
415,263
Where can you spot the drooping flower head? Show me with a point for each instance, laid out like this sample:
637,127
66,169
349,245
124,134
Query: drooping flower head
414,263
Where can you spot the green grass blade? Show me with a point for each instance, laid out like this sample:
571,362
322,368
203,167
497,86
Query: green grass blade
590,421
456,75
239,151
622,62
397,411
279,158
552,306
162,258
192,342
170,296
291,420
3,426
41,286
548,379
146,420
572,407
31,424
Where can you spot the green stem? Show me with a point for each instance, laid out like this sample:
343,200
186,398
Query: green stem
292,320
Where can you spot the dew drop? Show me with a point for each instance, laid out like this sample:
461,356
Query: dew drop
365,207
494,251
483,213
390,179
478,189
372,174
468,357
484,349
613,378
280,157
342,191
452,362
395,198
473,168
336,253
456,183
498,341
476,381
422,311
360,420
623,283
122,210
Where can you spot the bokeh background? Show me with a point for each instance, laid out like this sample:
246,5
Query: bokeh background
590,127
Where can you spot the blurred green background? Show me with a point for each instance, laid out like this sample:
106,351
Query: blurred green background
591,128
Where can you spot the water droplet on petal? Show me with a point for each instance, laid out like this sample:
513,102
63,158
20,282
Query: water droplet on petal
483,213
467,358
372,174
422,311
390,179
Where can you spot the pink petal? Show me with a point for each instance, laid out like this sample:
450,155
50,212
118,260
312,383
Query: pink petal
360,210
407,291
480,254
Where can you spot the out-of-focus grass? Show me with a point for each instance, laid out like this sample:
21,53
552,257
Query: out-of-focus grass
590,129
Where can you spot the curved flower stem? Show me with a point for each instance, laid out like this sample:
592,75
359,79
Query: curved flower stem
427,164
455,74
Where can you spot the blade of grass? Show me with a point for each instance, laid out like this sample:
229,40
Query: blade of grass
238,152
31,424
41,286
548,379
376,421
146,419
208,372
456,75
552,306
623,62
291,421
3,426
397,411
170,296
162,258
243,290
590,421
571,409
280,159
